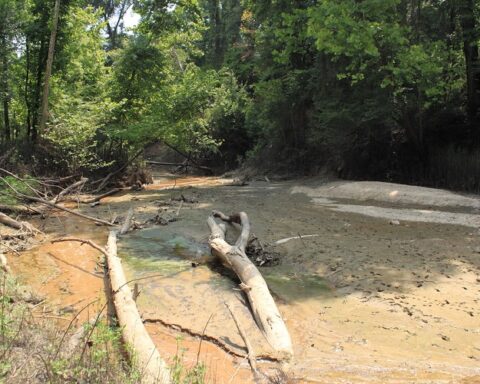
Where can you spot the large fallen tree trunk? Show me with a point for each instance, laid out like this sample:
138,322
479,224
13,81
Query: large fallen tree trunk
264,309
146,356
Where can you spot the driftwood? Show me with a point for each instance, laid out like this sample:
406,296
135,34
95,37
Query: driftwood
187,163
147,358
263,306
22,225
287,239
77,185
127,222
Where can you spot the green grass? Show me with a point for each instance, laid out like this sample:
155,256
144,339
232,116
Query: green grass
183,375
34,349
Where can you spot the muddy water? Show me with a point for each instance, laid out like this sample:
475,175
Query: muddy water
365,301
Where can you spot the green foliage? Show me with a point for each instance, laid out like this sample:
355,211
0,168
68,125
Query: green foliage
164,95
97,359
309,83
191,107
99,362
183,375
8,196
80,102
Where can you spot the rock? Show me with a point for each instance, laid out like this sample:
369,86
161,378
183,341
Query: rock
394,222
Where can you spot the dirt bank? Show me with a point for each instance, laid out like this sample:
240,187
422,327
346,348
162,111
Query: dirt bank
366,301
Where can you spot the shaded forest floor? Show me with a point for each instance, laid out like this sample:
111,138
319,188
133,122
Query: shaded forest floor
387,292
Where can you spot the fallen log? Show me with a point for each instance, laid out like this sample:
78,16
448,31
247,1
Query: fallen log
147,358
145,355
19,209
22,225
265,311
77,185
126,224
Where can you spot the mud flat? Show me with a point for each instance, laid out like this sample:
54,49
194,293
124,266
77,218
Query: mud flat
371,299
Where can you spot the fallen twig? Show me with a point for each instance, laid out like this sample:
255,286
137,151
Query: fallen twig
100,197
179,208
301,237
250,350
83,241
91,218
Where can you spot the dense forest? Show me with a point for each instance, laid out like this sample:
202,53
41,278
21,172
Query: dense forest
379,89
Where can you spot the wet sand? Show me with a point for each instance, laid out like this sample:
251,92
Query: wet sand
369,300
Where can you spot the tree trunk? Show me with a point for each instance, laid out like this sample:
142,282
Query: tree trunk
38,86
48,68
5,91
146,356
470,51
26,90
263,306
